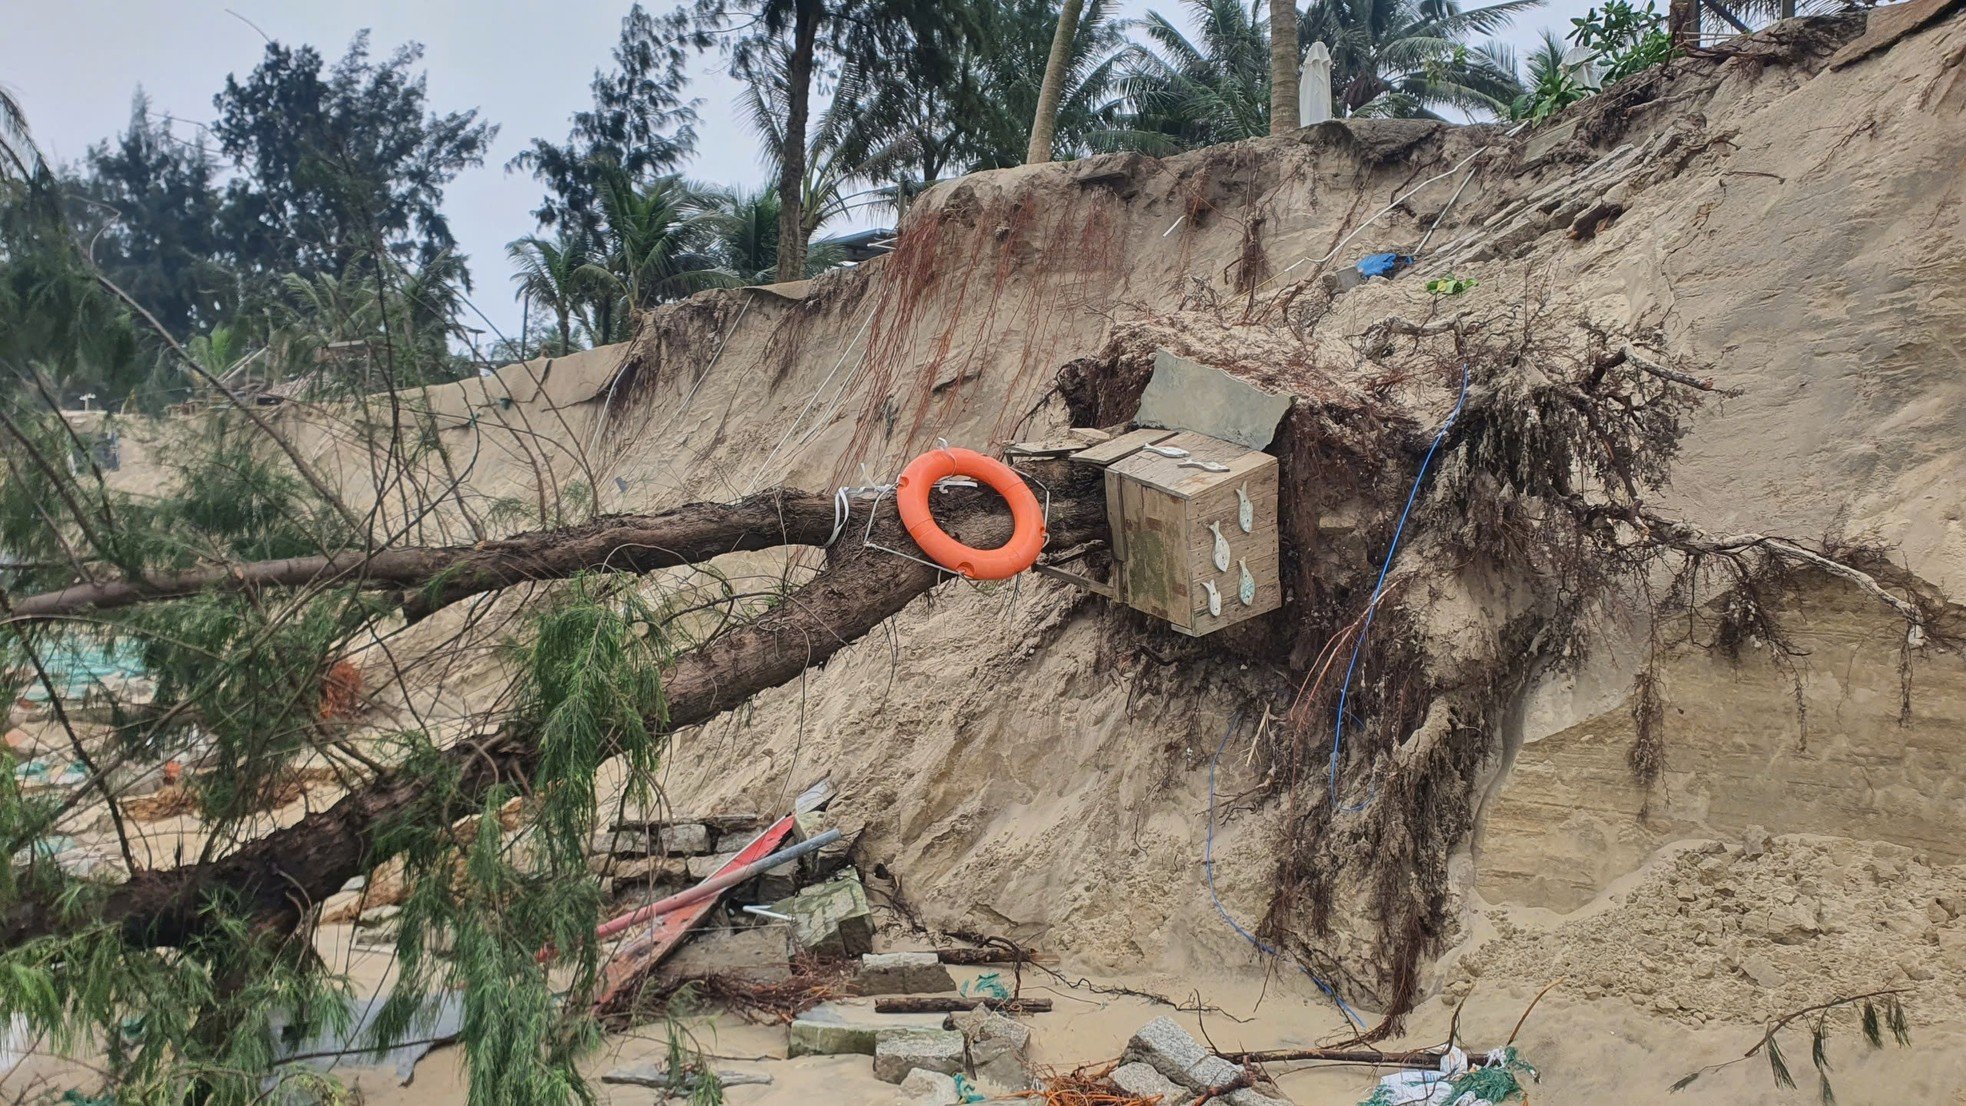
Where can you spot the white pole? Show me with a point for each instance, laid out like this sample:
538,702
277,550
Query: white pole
1314,86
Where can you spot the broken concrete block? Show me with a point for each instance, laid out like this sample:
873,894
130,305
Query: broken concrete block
900,1051
1140,1080
1189,395
679,839
903,973
831,919
828,859
928,1088
999,1048
760,953
662,1079
779,883
1169,1049
701,868
1248,1096
834,1029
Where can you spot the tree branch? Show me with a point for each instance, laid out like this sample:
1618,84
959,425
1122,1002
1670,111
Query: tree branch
278,877
436,576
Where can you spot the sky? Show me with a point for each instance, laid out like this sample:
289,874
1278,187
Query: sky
74,64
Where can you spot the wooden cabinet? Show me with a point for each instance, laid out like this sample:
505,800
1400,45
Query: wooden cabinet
1194,525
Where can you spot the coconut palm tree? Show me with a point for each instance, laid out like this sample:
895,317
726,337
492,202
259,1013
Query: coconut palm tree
1389,57
743,237
1184,92
1007,48
1285,57
656,237
1045,125
1413,57
559,274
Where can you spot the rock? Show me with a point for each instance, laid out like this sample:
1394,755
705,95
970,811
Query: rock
900,1051
928,1088
1168,1049
903,973
683,839
829,859
834,1029
659,1077
999,1048
761,953
1140,1080
701,868
1545,140
831,919
1250,1096
679,839
1764,972
1754,842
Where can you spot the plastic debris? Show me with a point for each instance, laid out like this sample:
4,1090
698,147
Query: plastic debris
1382,264
1498,1080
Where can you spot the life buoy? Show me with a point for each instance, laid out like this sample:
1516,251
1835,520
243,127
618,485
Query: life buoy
1001,563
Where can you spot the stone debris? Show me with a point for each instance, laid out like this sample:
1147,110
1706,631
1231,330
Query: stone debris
701,868
1169,1049
756,953
900,1051
928,1088
903,973
662,1079
830,859
999,1049
831,919
836,1029
1140,1080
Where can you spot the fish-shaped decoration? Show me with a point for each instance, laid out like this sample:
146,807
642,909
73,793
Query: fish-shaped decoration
1214,598
1221,547
1246,591
1245,510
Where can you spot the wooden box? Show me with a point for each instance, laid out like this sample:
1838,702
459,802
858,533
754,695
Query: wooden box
1179,529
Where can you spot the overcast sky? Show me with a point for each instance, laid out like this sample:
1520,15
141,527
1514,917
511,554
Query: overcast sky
73,64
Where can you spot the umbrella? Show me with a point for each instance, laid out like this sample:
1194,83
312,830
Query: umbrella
1314,86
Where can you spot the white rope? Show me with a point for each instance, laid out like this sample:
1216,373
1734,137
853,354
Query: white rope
765,467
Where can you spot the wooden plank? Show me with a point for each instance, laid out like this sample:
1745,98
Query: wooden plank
1086,582
1259,549
953,1004
668,931
1120,448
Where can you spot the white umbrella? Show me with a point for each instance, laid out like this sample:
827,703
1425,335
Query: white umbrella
1314,86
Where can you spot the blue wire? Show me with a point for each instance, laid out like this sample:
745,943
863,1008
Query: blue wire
1379,589
1208,867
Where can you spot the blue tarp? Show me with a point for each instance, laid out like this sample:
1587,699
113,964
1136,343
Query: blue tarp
1382,264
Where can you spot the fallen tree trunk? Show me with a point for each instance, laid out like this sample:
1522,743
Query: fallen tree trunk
276,879
434,576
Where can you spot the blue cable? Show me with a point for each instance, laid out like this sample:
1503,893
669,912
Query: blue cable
1208,867
1379,589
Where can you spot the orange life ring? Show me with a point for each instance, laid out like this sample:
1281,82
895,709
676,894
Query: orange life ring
1001,563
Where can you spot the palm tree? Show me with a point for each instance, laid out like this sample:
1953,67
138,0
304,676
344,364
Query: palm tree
1005,59
1389,57
559,274
743,237
1285,57
655,237
1410,57
1045,125
1183,93
861,138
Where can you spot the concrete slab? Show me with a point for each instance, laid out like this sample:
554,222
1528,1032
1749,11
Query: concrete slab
1189,395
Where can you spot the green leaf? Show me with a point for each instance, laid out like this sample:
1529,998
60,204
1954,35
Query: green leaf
1778,1067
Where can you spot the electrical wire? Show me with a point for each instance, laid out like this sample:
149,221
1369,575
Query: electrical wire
1386,566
